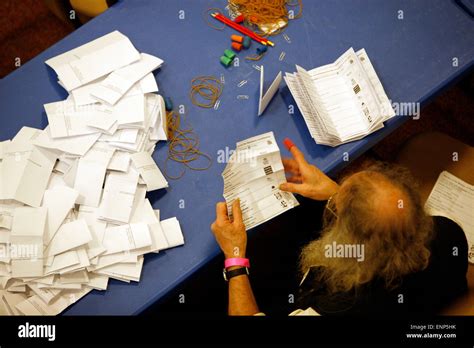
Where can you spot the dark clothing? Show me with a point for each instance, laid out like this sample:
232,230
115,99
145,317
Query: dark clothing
274,252
424,292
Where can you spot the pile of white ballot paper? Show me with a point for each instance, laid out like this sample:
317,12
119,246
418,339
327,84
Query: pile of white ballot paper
73,206
253,175
341,102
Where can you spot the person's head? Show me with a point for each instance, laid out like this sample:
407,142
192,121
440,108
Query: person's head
374,227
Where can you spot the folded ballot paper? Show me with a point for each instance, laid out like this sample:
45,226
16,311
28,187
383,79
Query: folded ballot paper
73,206
341,102
253,175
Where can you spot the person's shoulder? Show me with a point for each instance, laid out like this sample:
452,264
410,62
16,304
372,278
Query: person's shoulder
449,247
447,231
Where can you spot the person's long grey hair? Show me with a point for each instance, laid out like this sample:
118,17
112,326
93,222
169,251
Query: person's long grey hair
394,245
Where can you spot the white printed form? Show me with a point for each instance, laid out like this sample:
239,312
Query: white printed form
253,175
342,101
453,198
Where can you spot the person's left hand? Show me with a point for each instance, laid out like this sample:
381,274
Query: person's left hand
230,235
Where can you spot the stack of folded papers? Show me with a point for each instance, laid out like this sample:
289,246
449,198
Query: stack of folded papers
73,206
253,175
343,101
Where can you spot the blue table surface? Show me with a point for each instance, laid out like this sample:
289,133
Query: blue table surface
413,57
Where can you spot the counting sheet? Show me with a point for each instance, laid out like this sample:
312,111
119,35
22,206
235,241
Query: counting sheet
253,175
342,101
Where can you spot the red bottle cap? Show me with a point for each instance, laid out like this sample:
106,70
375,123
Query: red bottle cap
236,46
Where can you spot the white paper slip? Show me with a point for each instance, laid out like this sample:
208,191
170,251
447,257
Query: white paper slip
453,198
126,238
156,112
26,135
69,236
120,161
97,281
145,85
254,175
61,261
25,172
122,136
35,176
172,230
10,300
34,305
47,295
129,112
6,216
77,145
90,174
66,120
83,95
118,197
27,242
58,201
4,239
93,60
129,271
120,81
74,277
82,265
149,171
265,99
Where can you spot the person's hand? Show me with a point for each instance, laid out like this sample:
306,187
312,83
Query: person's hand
230,235
306,179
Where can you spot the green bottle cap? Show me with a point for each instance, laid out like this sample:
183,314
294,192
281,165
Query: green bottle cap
229,54
226,61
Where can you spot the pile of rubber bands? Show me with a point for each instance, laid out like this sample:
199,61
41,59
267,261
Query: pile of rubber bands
266,17
205,91
183,147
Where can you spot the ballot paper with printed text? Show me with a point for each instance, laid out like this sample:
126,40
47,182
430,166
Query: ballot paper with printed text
342,101
453,198
253,175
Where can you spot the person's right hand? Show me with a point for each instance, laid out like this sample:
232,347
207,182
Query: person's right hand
306,179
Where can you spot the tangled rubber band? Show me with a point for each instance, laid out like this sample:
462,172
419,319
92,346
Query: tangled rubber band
206,16
183,146
205,91
265,17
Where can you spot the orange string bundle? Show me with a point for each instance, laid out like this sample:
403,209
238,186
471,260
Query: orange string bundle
266,17
205,91
183,147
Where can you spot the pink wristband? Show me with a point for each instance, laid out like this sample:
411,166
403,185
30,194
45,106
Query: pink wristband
236,261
